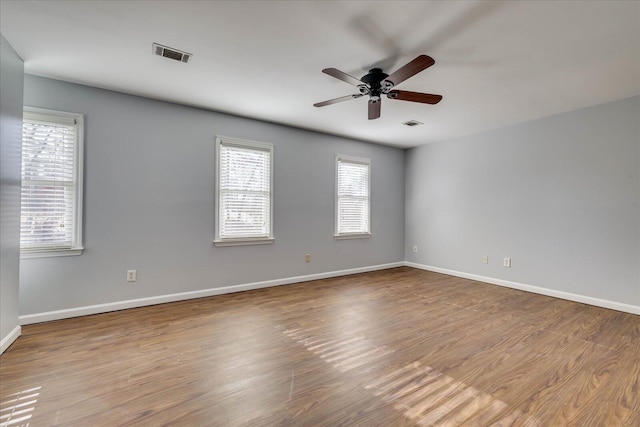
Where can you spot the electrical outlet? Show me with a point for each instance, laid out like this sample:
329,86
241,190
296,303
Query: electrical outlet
307,258
131,275
506,262
485,259
415,248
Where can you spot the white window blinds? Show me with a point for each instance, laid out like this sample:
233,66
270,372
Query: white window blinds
244,190
352,196
50,182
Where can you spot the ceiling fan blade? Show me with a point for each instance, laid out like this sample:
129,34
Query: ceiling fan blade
412,68
336,100
342,76
374,109
424,98
371,33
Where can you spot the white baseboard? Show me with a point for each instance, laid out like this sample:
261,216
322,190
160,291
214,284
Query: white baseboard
141,302
627,308
10,338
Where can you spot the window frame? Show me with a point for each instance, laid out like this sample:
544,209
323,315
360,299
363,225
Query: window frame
62,117
251,145
352,235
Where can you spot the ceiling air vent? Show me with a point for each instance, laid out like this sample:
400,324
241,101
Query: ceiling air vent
171,53
413,123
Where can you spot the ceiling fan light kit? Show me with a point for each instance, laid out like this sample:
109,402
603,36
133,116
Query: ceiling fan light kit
377,83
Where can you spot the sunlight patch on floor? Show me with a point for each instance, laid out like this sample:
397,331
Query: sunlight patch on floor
18,408
343,354
420,393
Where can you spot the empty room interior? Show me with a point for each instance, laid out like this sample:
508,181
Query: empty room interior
320,213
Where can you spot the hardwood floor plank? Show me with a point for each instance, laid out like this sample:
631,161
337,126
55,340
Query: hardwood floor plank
399,347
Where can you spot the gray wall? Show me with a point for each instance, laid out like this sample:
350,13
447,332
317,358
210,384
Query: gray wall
149,203
559,195
11,84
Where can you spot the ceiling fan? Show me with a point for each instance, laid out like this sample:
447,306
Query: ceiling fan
377,83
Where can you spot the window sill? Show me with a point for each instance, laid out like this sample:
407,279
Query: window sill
243,242
48,253
351,236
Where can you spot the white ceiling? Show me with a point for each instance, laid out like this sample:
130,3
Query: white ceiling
497,63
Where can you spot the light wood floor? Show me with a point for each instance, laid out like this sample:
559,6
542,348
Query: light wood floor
391,348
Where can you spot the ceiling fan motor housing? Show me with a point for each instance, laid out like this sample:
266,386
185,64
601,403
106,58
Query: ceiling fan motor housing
373,80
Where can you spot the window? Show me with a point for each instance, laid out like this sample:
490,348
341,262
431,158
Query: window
243,192
51,212
352,197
